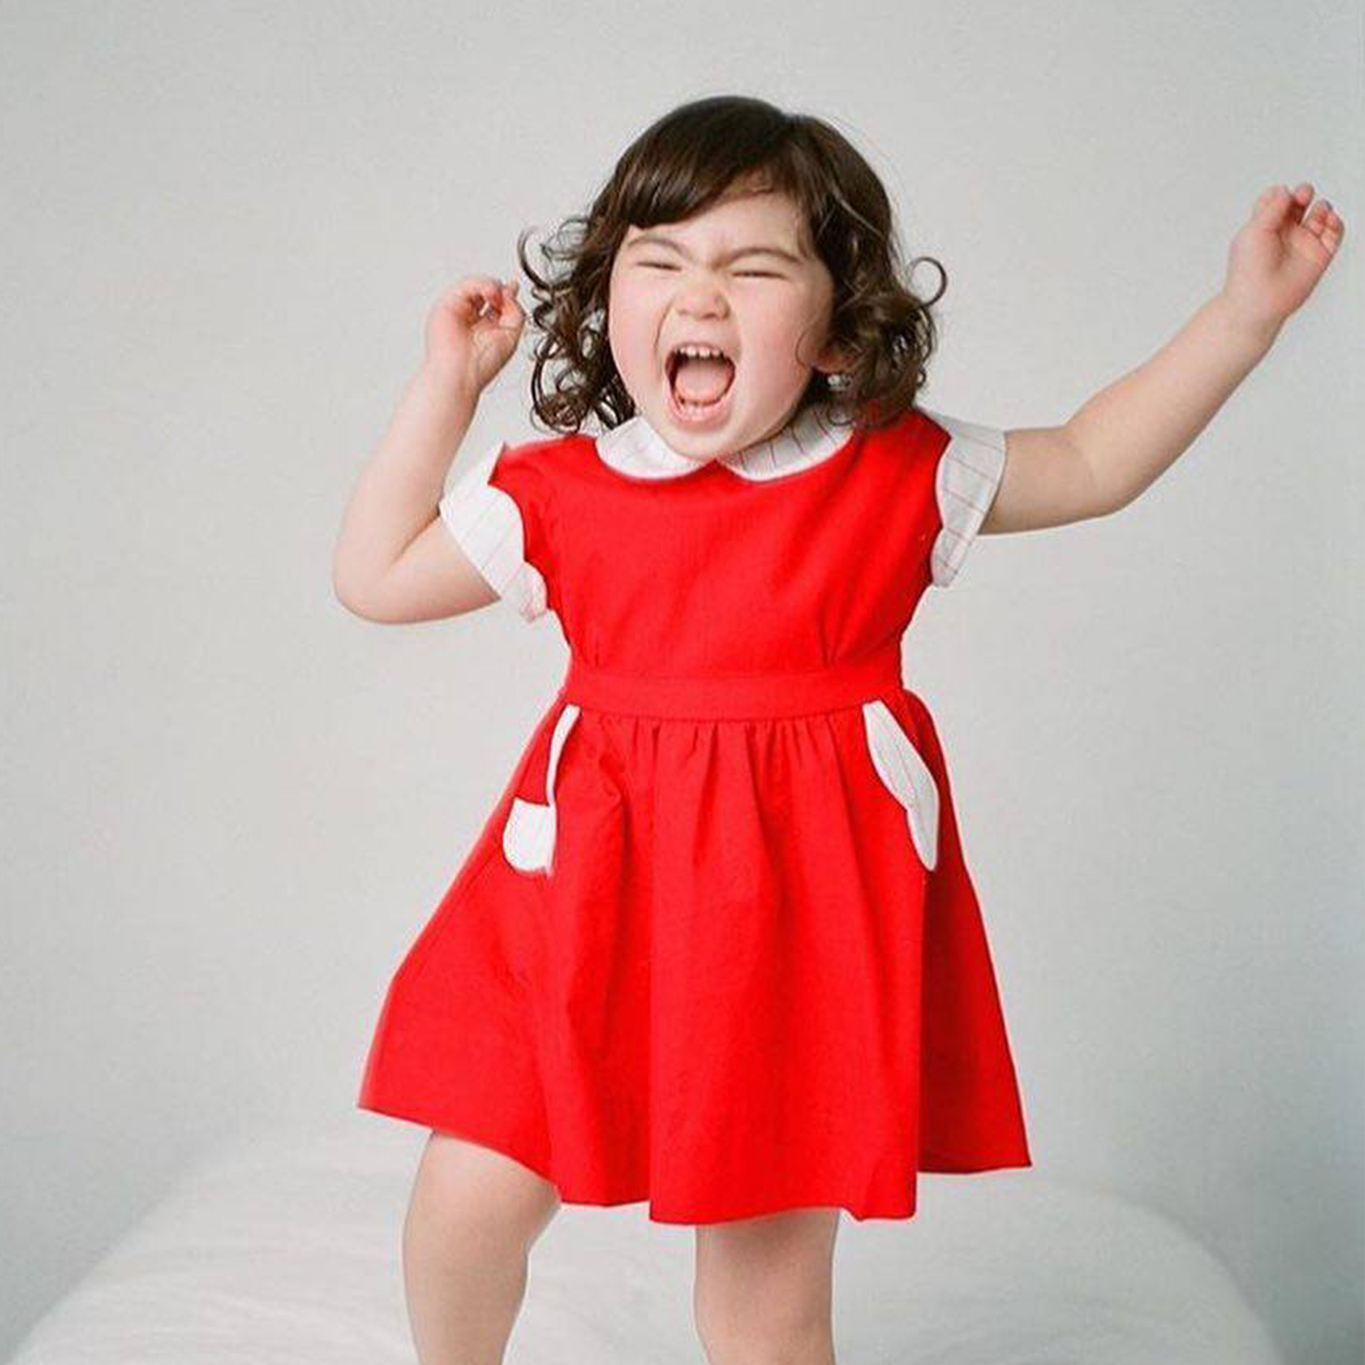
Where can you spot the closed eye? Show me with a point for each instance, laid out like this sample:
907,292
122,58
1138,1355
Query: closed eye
755,274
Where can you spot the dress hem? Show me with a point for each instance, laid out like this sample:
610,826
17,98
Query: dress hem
657,1214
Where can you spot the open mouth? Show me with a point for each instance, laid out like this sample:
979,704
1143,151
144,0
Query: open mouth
700,380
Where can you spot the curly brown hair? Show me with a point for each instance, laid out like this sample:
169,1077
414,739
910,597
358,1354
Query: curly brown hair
693,156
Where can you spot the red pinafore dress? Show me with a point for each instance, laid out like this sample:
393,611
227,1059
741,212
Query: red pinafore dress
716,947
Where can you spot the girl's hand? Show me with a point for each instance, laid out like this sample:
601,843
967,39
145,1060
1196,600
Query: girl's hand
1279,255
472,331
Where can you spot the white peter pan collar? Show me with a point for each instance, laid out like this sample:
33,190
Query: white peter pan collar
636,449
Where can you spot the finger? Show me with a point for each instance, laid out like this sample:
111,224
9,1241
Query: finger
1332,226
493,297
1314,241
1272,207
1322,219
1299,201
1333,234
1264,199
1316,217
473,286
469,297
510,304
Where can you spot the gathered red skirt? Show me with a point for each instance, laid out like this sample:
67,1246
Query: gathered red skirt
710,951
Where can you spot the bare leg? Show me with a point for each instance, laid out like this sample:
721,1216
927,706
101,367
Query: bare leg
764,1288
471,1221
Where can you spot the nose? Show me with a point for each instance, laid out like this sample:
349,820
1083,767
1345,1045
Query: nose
701,297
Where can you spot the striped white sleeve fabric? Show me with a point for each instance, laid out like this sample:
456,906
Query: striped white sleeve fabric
487,524
968,477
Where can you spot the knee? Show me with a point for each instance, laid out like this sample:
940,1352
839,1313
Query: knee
763,1292
465,1193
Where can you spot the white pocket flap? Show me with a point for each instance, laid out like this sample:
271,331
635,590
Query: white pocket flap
905,775
528,836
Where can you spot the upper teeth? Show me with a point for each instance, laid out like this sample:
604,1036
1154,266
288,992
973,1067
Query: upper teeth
699,351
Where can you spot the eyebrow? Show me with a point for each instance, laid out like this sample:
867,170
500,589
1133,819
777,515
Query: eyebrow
658,239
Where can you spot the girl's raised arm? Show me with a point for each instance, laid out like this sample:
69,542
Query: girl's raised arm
1124,437
394,561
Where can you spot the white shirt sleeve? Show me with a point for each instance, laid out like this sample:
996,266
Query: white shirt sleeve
487,524
968,477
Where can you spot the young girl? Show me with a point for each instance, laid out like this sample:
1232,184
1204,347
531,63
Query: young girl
716,946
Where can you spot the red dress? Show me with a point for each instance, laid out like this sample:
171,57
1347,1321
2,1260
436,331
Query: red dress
716,946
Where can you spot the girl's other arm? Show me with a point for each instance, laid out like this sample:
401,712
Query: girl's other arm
1124,437
394,561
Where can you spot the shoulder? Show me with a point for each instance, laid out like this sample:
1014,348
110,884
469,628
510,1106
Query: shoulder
960,439
531,472
921,434
544,456
949,469
936,435
502,511
968,463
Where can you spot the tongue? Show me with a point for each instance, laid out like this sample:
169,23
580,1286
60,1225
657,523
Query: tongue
702,380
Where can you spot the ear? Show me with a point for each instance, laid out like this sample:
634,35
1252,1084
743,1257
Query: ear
833,359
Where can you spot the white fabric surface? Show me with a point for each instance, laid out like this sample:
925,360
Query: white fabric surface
969,475
284,1246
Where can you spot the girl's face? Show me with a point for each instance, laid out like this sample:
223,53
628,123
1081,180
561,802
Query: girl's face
706,280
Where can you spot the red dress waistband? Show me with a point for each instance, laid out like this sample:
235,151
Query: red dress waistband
735,697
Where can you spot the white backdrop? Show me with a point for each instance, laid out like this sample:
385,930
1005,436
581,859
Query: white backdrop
230,805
